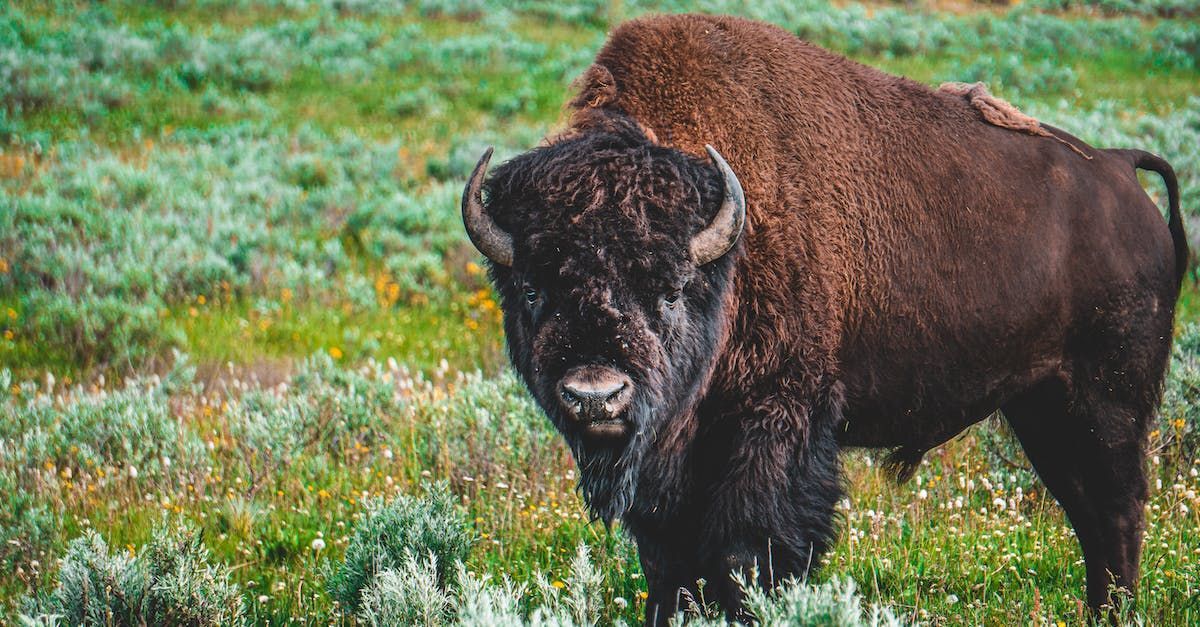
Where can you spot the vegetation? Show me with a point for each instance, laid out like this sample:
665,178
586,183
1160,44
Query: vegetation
170,582
241,327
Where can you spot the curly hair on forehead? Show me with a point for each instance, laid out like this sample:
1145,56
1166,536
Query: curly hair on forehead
617,173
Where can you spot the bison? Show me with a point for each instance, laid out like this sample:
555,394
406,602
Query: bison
745,253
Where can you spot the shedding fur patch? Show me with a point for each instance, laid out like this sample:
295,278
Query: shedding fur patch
1000,112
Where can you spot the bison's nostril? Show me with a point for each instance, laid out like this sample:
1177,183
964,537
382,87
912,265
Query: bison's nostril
595,393
578,394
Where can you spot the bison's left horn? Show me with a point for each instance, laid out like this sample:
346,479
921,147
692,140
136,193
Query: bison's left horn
722,233
488,237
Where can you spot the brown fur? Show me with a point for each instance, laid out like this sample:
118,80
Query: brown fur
913,260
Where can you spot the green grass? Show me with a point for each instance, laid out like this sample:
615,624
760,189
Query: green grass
456,335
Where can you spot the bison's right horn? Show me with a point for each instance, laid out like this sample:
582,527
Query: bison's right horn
485,234
722,233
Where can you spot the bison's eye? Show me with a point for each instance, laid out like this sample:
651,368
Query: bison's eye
672,299
531,296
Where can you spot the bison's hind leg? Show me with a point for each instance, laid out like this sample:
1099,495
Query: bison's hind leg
1085,435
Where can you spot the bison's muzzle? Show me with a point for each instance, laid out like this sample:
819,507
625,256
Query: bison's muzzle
595,398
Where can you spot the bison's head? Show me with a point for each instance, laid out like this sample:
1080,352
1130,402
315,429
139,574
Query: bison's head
611,256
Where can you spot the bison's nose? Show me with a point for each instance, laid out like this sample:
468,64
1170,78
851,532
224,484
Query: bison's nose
595,393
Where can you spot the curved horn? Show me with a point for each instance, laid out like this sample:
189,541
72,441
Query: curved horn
485,234
722,233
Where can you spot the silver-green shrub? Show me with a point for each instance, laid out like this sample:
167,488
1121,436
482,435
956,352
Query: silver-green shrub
101,248
1011,74
394,533
794,603
169,582
481,602
414,594
1147,8
321,410
410,594
130,426
582,592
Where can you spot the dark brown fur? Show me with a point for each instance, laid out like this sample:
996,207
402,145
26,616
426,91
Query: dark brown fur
906,269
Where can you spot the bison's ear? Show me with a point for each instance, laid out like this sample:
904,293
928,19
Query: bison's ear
485,234
722,233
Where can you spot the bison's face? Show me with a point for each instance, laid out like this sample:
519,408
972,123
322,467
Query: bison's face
611,260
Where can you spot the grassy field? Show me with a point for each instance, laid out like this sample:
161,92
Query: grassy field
240,322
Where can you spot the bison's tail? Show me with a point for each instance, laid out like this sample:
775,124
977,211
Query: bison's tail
1143,160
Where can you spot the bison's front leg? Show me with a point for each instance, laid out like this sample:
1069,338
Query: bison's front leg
772,514
669,562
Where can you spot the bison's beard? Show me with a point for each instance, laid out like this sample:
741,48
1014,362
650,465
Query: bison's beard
608,474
